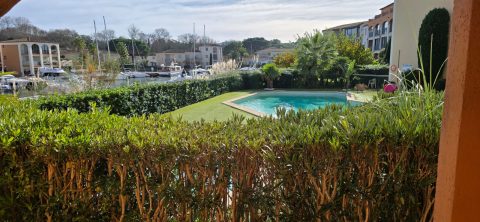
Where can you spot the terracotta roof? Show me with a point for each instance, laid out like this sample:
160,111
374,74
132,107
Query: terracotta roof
5,6
387,6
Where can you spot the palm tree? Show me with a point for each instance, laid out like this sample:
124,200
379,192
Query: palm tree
316,53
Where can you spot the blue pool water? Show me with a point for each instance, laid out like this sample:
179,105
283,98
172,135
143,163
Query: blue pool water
269,102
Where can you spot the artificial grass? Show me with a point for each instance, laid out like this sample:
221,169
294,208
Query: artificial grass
211,109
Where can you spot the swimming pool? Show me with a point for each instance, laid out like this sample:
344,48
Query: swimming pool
266,103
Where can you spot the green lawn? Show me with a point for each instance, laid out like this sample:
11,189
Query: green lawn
211,109
214,109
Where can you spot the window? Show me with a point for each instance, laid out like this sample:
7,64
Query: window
384,42
35,49
206,49
377,45
44,49
378,30
391,25
385,28
370,32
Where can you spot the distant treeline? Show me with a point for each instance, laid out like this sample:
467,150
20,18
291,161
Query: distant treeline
158,41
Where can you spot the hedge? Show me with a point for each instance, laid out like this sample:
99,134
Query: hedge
145,99
163,98
373,69
376,162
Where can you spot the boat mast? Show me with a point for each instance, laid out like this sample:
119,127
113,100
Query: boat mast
204,44
194,40
96,43
133,54
106,36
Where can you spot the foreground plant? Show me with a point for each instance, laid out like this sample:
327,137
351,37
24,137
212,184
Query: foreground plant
370,163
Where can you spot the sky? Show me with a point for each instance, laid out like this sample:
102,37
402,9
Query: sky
224,19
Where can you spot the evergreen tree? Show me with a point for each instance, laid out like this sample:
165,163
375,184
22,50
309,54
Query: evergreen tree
434,32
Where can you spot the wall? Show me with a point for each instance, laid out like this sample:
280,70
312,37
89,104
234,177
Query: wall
408,17
12,61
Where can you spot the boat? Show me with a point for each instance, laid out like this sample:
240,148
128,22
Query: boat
170,71
44,71
7,82
248,69
199,71
5,86
134,74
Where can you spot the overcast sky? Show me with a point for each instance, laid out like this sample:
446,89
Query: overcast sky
224,19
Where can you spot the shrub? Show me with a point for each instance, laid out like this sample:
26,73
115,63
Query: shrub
434,32
270,72
332,164
353,49
373,69
285,60
145,99
252,80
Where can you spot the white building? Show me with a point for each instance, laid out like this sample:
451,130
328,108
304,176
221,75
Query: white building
267,55
210,54
205,56
408,17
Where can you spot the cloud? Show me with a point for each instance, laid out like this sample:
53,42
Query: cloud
224,19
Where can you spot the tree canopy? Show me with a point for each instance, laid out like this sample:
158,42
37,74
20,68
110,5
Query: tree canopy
234,50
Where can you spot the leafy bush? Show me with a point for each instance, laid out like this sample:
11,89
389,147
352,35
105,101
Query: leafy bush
145,99
434,32
373,69
285,60
331,164
270,72
353,49
252,80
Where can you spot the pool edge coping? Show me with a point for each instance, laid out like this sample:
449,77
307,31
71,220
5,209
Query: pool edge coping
231,103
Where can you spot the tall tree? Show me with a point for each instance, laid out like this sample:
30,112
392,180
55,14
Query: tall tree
65,37
122,50
234,50
255,44
161,33
133,31
434,32
353,49
188,38
316,54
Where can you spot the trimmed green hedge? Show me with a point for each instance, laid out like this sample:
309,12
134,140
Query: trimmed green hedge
376,162
145,99
373,69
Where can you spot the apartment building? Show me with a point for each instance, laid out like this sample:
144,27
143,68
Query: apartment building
205,56
210,54
267,55
25,57
379,30
352,30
